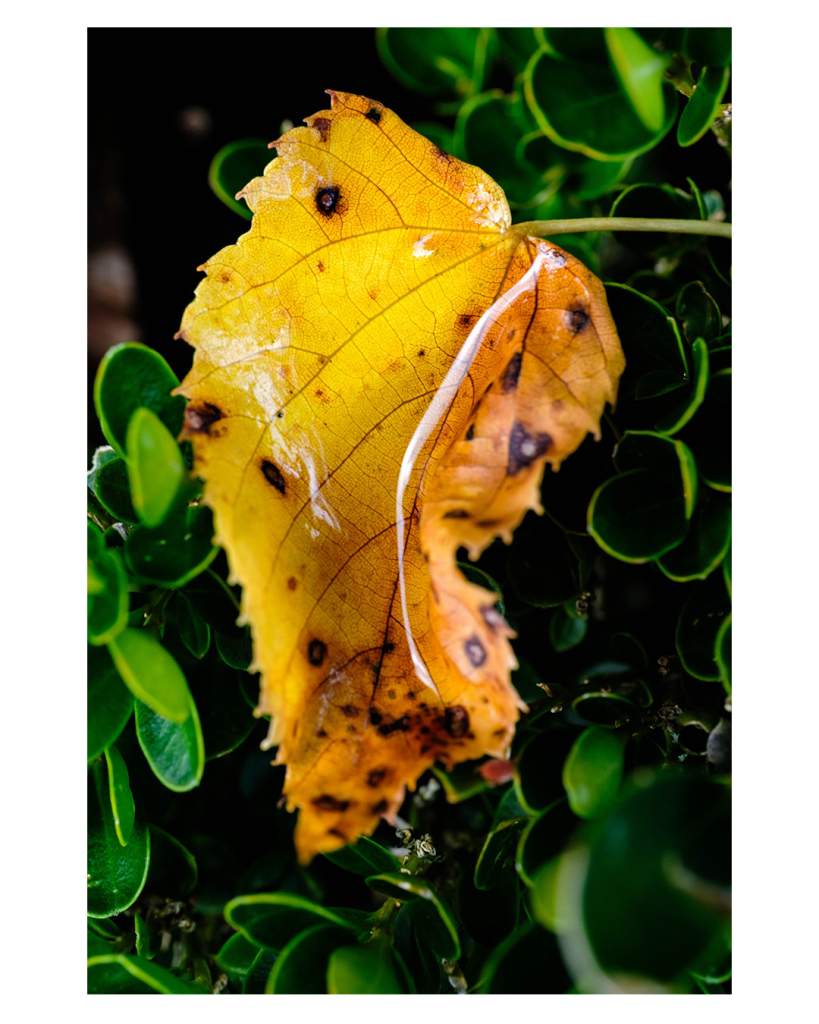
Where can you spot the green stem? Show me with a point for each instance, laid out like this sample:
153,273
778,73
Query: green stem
563,227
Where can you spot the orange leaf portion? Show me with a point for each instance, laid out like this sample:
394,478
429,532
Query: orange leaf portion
383,367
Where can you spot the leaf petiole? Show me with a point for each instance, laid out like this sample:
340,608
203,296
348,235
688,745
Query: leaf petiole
543,228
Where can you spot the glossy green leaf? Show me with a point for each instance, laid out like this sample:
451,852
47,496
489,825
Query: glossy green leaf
592,772
225,715
175,552
601,707
709,433
301,967
633,517
498,851
173,871
698,313
120,974
364,970
430,913
543,839
707,542
193,630
596,178
129,376
236,652
236,957
701,617
174,750
107,596
156,471
116,875
566,630
704,105
119,791
482,121
654,899
538,767
365,857
101,455
708,45
273,919
151,673
582,106
437,60
146,945
109,702
528,962
234,166
693,395
628,649
255,983
645,199
113,490
640,70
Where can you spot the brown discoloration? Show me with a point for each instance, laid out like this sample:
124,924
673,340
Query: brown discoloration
374,115
350,711
292,583
330,803
376,777
465,319
336,832
456,721
422,353
224,277
475,651
401,724
470,433
321,267
375,716
321,734
499,732
456,513
488,524
392,695
322,126
316,652
380,807
577,318
442,155
328,200
386,647
200,418
509,378
524,448
274,475
491,616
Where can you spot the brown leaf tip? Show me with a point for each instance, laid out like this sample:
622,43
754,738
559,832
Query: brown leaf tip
322,126
316,652
273,475
374,114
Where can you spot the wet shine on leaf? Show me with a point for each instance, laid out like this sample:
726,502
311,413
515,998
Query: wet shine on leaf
383,367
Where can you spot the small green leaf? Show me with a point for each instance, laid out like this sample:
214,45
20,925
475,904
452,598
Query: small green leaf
699,623
566,630
430,913
116,875
437,60
234,166
175,751
151,673
255,983
364,970
118,973
640,70
175,552
236,958
156,471
193,630
592,772
543,840
651,341
112,488
273,919
235,651
109,702
129,376
301,967
107,596
709,433
698,313
365,857
603,708
677,417
538,767
122,801
498,851
225,716
147,945
708,45
706,544
173,871
722,652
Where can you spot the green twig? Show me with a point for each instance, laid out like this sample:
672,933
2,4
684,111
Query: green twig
579,224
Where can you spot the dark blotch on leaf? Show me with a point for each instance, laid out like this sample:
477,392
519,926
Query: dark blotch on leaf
441,154
316,652
578,318
380,807
273,475
350,710
475,651
373,115
471,432
456,719
376,777
327,200
456,513
199,419
322,126
330,803
401,724
524,448
509,380
375,716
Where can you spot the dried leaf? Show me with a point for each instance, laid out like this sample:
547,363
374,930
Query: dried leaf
383,366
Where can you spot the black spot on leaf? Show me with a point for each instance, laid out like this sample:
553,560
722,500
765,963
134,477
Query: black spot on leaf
374,114
470,433
375,716
376,777
273,475
456,720
330,803
327,200
380,807
316,652
509,379
199,419
578,318
349,710
456,513
524,448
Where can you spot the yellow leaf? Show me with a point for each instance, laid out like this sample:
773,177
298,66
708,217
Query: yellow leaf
383,366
